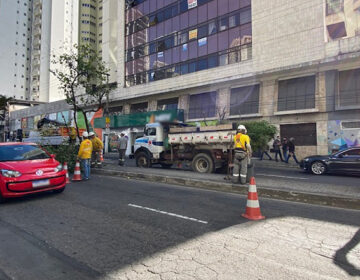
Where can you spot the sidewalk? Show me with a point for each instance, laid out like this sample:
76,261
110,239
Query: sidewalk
296,190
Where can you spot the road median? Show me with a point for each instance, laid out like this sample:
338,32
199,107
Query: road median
225,186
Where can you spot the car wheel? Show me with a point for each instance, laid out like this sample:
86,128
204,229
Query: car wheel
143,160
59,190
203,163
318,168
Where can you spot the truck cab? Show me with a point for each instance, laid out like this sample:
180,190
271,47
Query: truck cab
149,148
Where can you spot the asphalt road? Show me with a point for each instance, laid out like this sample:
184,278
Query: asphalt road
112,228
290,174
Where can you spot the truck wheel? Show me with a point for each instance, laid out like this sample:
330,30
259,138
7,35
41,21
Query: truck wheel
143,160
203,163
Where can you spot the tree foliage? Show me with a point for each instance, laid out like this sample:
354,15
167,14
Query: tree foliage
4,101
83,79
260,132
67,152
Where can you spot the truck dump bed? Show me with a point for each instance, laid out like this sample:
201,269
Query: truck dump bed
221,134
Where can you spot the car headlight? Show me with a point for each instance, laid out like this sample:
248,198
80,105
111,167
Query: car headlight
306,159
59,168
10,173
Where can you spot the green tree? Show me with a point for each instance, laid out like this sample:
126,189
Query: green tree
84,80
260,132
4,102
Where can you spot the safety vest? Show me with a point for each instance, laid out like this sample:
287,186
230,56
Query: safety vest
241,140
85,149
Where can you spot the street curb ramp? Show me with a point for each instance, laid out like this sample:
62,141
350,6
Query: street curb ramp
311,198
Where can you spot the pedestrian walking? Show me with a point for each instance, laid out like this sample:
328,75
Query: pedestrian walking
276,146
122,146
291,146
98,146
242,154
285,148
84,155
265,151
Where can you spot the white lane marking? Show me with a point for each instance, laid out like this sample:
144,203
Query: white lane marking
289,177
168,213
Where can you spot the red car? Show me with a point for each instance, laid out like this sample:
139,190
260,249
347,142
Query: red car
25,168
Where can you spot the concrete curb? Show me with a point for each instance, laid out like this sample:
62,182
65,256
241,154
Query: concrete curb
318,199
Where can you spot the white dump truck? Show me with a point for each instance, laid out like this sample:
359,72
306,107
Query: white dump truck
205,149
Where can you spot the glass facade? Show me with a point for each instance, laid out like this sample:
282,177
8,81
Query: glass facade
168,38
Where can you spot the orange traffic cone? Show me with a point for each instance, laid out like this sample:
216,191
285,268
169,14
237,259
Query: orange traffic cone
67,173
101,156
77,172
252,205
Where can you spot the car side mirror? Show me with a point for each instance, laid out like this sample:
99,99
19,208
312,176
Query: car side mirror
340,156
52,156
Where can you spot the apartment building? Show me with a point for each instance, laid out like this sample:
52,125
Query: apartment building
15,48
98,23
54,31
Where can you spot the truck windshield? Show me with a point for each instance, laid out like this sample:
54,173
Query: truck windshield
150,131
22,152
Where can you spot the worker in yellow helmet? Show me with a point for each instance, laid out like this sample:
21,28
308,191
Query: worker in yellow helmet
84,155
98,146
243,152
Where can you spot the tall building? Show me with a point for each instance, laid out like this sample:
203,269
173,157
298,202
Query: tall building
98,28
15,48
296,65
31,31
55,31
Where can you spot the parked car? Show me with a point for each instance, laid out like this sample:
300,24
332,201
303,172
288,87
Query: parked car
26,168
346,161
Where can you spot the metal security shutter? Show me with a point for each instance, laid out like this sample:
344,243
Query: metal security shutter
296,94
349,87
168,104
202,105
244,100
304,134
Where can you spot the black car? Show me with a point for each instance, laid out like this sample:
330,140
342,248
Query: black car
346,161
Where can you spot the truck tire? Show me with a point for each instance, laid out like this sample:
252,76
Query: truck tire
203,163
143,160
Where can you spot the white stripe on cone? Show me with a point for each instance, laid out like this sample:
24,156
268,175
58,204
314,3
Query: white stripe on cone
252,188
252,203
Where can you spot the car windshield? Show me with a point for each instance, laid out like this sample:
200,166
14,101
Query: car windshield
22,152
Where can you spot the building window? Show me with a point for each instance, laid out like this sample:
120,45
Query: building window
334,6
139,107
244,100
304,133
202,105
116,111
349,87
296,94
168,104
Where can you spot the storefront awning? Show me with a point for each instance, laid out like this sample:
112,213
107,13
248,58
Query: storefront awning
140,119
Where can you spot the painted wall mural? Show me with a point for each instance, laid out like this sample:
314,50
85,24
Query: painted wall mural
340,138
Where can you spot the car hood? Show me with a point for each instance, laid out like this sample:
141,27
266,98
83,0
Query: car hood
30,166
317,157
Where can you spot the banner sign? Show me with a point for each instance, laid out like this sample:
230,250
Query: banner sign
193,34
192,4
